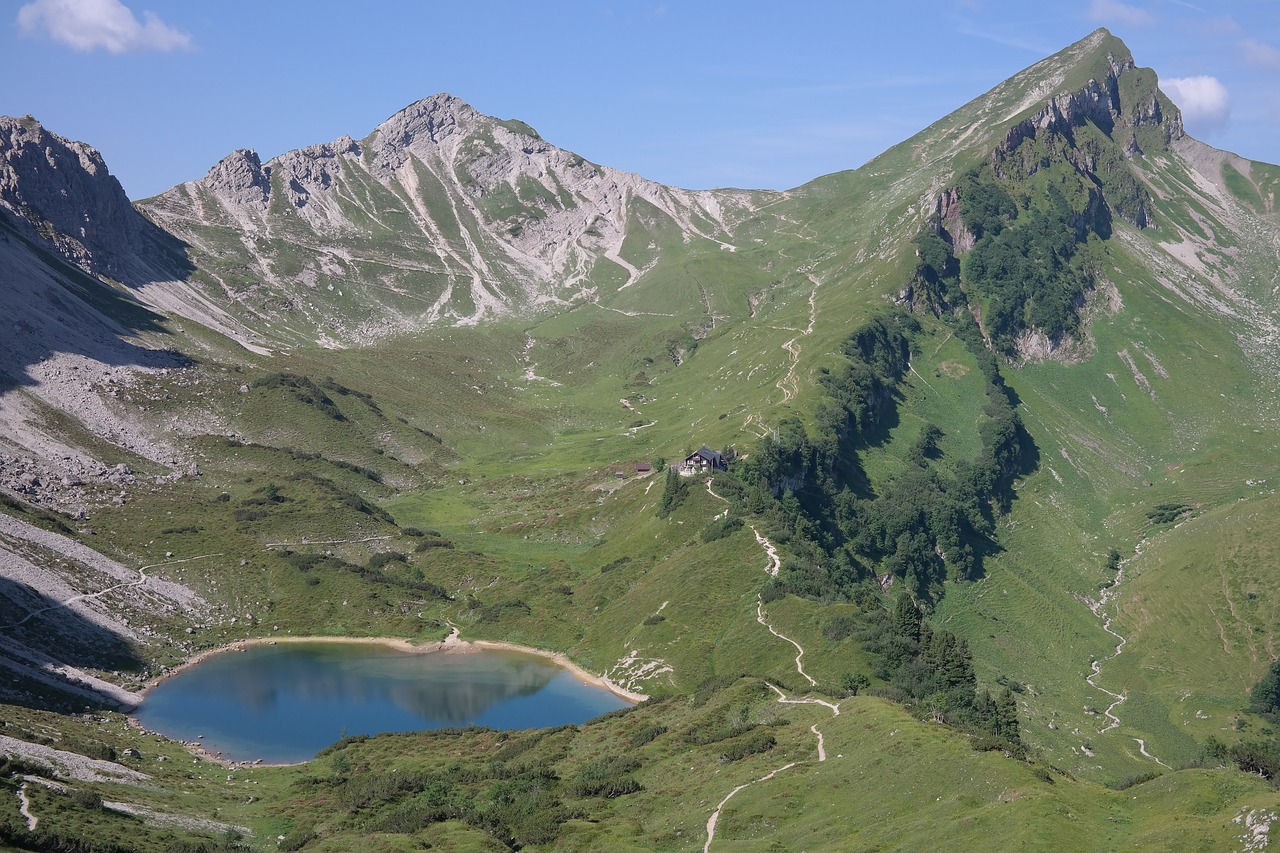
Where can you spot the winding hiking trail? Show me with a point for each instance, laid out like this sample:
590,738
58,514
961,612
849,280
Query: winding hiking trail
772,569
24,808
305,541
1096,666
788,384
715,815
1118,699
763,620
1142,747
809,700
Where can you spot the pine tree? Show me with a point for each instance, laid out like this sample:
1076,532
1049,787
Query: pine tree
1007,715
906,617
985,707
1266,693
673,493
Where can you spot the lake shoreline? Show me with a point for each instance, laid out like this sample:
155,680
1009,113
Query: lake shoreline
452,644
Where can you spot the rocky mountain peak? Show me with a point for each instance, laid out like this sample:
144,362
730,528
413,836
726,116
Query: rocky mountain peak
425,123
1116,97
1118,102
240,178
470,217
435,115
58,192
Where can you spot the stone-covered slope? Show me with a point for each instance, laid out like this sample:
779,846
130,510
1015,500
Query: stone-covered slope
76,342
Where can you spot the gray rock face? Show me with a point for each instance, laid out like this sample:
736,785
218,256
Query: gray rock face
947,215
59,193
314,169
66,351
430,121
1101,103
240,178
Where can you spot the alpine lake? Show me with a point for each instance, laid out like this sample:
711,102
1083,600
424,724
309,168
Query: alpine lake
281,704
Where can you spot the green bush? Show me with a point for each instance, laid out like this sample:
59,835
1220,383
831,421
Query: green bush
606,777
750,744
86,799
1135,779
645,735
1168,513
838,627
296,840
384,558
721,528
303,390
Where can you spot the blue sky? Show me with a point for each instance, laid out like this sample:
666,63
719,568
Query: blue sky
696,94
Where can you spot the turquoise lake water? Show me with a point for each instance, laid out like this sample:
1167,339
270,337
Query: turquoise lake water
284,703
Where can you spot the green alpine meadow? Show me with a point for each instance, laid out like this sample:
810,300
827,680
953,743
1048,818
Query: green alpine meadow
930,505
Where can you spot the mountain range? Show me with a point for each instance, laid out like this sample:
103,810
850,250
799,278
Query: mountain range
1000,413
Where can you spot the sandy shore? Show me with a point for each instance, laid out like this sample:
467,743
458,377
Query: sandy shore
452,644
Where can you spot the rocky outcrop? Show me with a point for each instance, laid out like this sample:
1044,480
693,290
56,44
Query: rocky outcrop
420,125
59,193
1121,118
950,224
313,169
73,348
1102,103
240,179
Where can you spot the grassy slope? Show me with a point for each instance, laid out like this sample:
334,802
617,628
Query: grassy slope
896,783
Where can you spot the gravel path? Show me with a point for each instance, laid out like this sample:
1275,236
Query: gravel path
64,546
180,821
715,815
772,569
24,808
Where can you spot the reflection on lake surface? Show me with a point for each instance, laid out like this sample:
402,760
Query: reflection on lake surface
284,703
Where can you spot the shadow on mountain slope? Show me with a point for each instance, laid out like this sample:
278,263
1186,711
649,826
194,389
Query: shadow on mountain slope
48,307
40,638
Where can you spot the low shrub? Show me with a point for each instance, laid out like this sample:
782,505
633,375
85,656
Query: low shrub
838,627
608,567
606,777
753,743
646,735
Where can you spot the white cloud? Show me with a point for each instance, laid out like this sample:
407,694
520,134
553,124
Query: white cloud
1260,54
1113,12
86,25
1204,101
